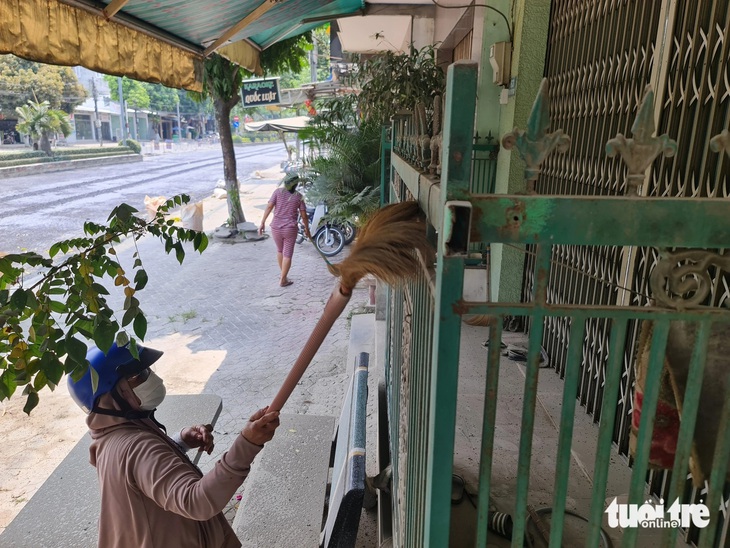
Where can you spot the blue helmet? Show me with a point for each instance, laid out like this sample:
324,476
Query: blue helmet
117,363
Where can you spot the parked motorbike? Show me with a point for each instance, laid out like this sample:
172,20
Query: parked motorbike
328,238
348,231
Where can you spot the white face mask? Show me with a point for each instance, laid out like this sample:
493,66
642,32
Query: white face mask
151,392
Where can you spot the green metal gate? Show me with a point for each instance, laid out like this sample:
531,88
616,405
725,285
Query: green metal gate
424,325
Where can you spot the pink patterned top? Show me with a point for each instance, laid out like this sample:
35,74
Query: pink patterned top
286,208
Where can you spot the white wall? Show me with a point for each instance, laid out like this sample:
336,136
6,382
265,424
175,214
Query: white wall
446,20
423,29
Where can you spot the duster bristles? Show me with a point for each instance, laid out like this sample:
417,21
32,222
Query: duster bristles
479,319
385,247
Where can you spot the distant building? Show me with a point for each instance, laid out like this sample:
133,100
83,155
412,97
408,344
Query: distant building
87,125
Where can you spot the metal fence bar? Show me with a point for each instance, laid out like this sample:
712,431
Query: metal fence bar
605,430
567,416
625,312
411,387
395,403
646,425
488,428
687,425
420,382
484,168
602,221
718,475
542,269
428,329
458,135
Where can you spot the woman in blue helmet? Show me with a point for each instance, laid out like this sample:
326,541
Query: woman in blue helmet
152,495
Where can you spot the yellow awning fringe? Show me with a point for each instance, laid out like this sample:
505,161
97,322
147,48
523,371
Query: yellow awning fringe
48,31
244,55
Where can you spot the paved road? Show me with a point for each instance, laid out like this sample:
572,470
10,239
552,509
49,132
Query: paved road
38,210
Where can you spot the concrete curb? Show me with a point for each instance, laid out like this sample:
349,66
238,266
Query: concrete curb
65,165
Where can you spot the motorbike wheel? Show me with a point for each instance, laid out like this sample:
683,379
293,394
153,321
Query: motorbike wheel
300,238
348,231
329,240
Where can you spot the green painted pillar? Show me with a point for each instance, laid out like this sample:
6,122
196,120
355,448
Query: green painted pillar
530,34
461,84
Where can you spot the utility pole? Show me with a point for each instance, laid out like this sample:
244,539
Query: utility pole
97,122
179,123
122,111
313,59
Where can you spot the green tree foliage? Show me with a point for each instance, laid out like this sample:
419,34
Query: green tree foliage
135,92
46,325
296,77
289,55
195,108
161,97
73,92
391,82
22,81
347,178
39,120
348,127
322,40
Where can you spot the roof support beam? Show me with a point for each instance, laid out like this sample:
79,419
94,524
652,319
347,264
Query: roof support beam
415,10
279,36
113,7
238,27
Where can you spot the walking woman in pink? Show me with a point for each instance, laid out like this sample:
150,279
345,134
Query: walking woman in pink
287,204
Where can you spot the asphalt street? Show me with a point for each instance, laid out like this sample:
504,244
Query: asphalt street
38,210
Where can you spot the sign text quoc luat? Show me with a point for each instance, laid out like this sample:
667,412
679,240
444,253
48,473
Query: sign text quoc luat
260,92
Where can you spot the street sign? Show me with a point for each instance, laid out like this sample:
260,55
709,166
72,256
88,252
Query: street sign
235,118
235,124
260,92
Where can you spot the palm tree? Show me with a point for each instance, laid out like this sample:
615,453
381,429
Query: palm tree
38,120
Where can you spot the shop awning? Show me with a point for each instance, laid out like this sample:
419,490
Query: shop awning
296,123
164,41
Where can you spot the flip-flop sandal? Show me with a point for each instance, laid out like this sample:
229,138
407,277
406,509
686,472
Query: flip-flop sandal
519,354
288,283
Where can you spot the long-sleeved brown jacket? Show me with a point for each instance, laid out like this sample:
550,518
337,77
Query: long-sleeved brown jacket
153,496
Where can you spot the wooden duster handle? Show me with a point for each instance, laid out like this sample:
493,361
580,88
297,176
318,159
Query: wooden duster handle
332,310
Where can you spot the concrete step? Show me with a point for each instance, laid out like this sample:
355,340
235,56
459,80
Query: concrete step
283,496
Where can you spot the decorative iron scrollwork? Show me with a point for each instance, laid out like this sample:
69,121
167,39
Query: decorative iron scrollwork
638,153
437,138
534,143
682,280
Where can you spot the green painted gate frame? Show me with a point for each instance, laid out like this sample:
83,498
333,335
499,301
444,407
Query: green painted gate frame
459,219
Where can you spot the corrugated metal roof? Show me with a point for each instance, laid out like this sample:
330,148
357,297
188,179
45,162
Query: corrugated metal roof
203,21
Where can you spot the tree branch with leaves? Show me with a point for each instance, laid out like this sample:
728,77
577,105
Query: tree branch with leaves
47,323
